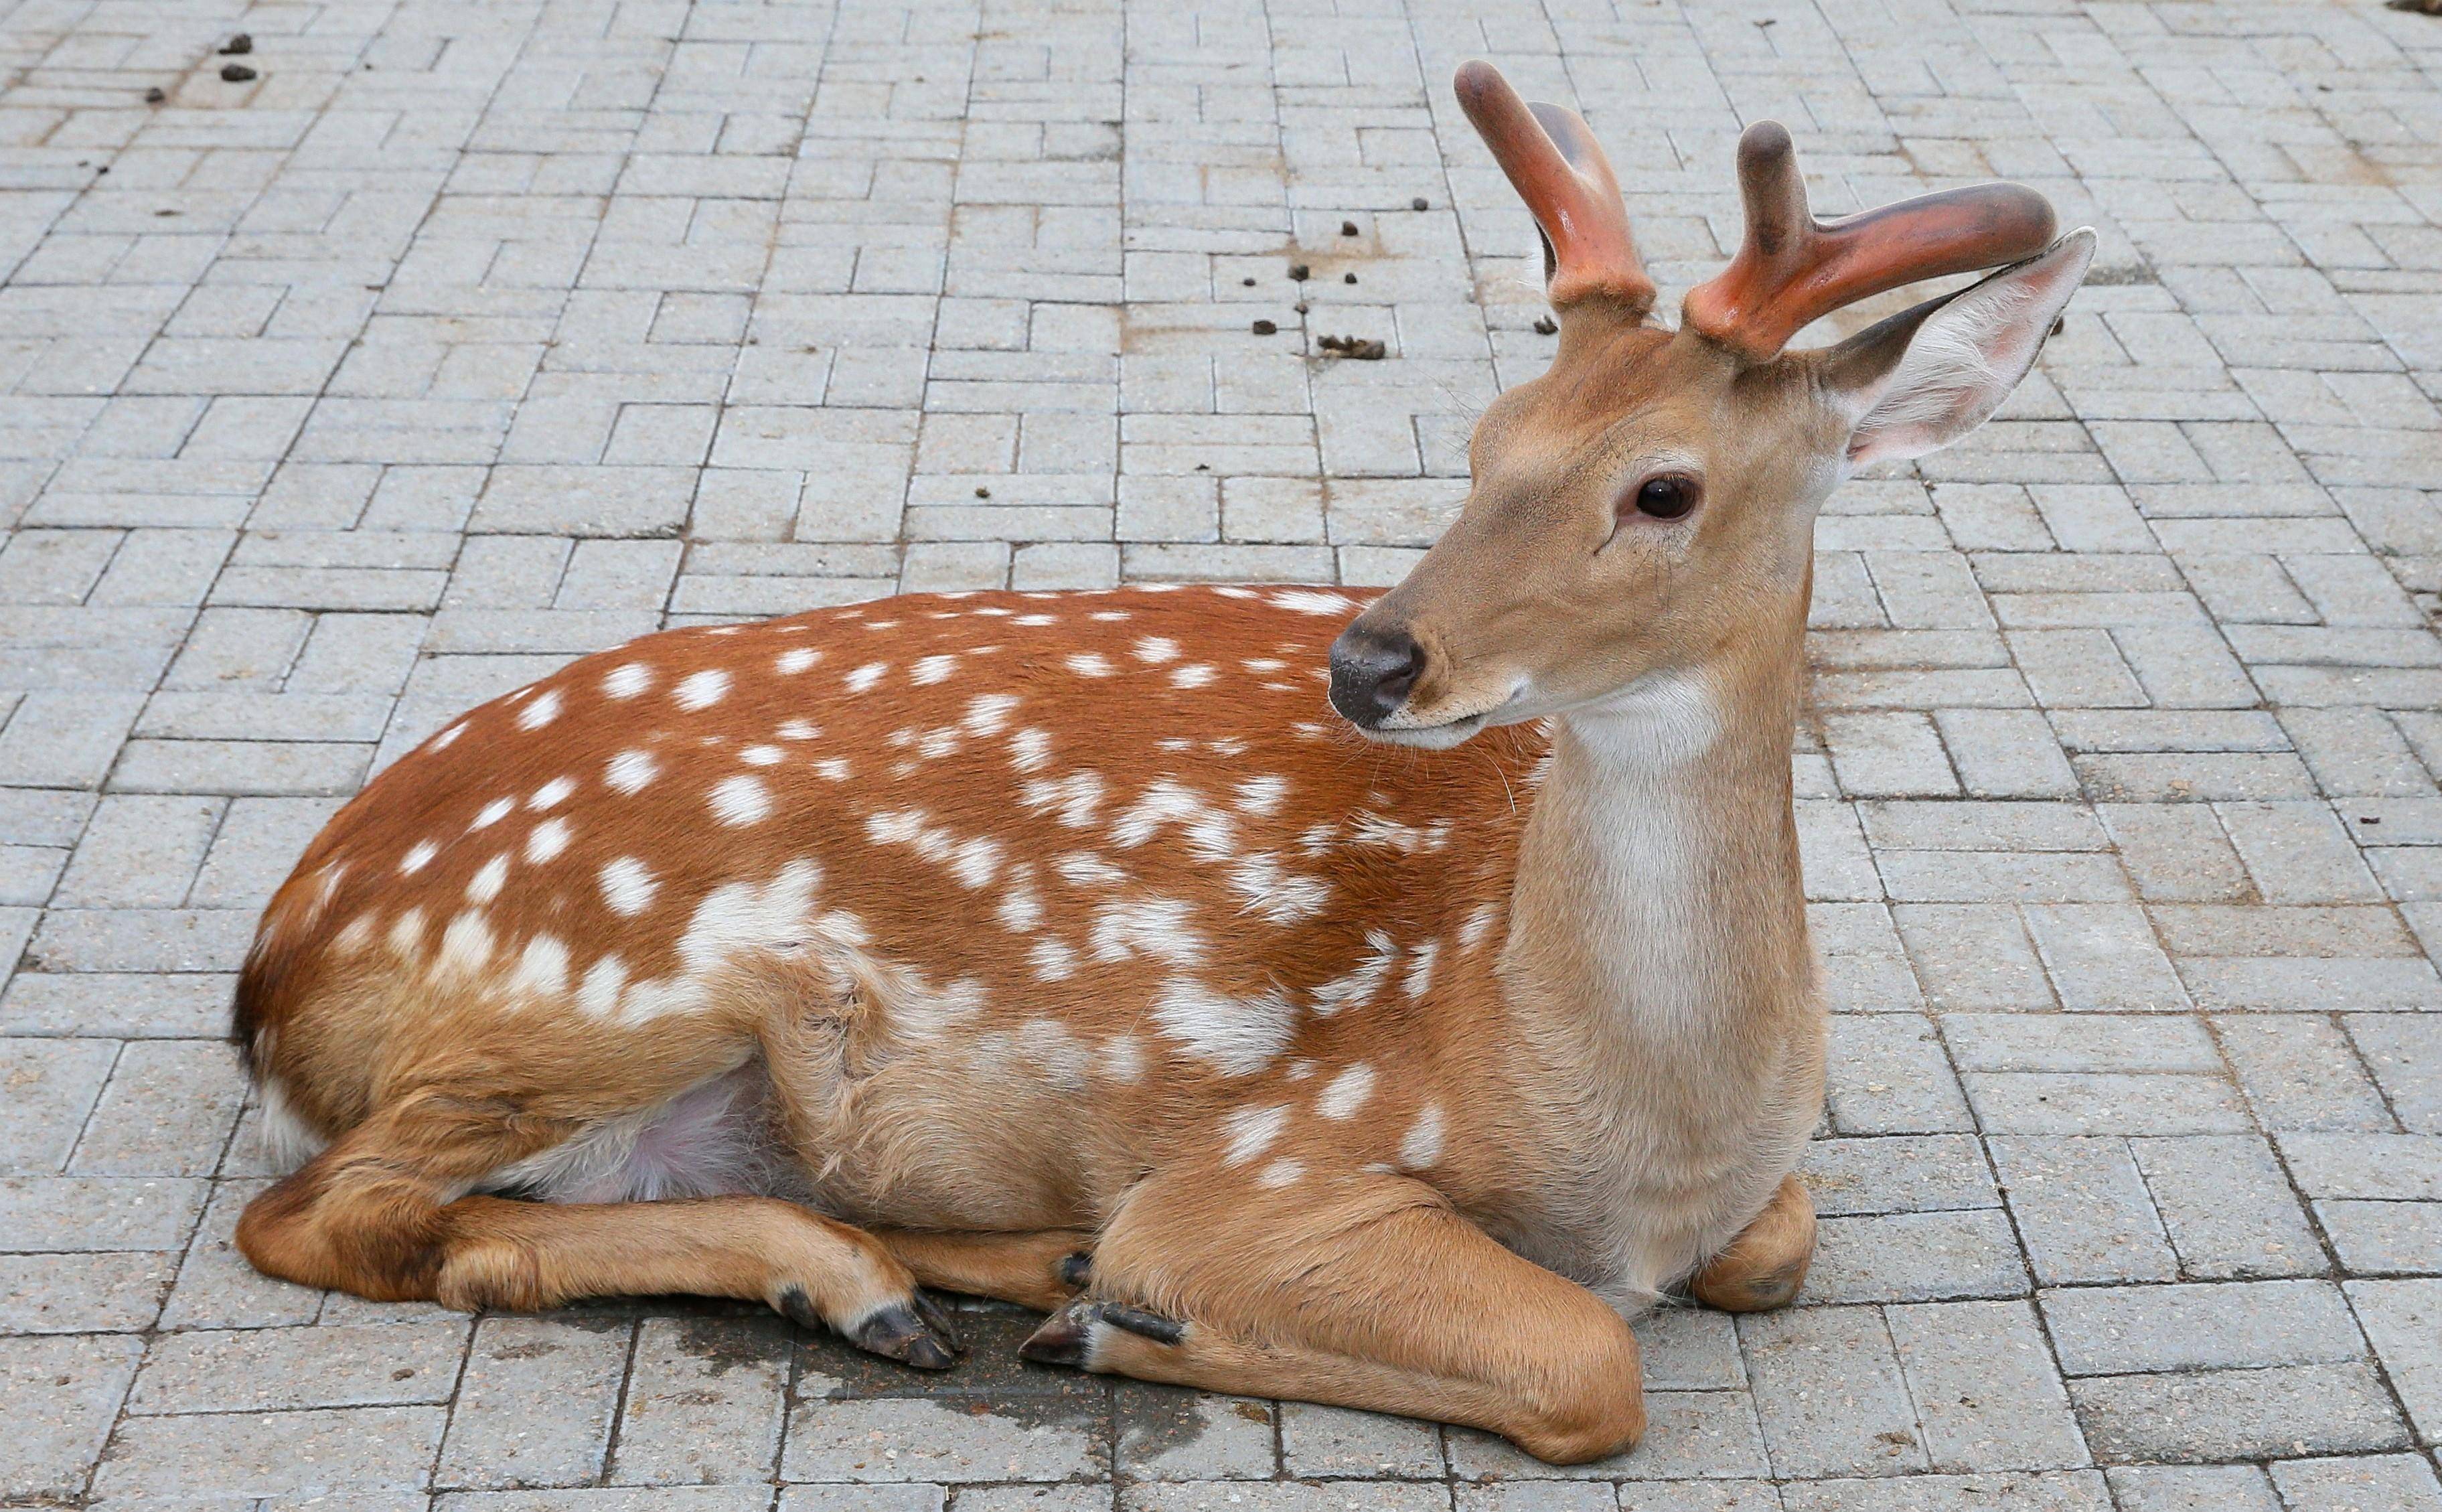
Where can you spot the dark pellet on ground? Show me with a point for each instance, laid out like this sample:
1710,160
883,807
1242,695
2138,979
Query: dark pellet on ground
1418,204
154,96
1249,283
1265,328
1348,278
1301,306
1545,325
983,493
236,73
1300,272
1348,228
1363,349
237,46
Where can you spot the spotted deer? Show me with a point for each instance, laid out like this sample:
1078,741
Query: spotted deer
1069,949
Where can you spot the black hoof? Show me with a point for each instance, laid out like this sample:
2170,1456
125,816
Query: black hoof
908,1335
1064,1338
1076,1269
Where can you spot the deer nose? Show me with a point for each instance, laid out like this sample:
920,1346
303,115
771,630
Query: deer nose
1372,673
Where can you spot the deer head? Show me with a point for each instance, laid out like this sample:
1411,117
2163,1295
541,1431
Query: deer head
1646,507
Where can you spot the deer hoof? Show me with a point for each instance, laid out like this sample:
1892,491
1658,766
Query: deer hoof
915,1332
1069,1336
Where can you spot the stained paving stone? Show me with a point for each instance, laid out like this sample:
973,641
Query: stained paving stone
2118,788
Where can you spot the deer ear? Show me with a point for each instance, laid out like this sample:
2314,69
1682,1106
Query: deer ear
1926,376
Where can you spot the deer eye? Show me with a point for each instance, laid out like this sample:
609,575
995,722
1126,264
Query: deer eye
1664,496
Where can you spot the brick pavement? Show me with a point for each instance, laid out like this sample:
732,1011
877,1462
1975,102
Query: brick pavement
469,336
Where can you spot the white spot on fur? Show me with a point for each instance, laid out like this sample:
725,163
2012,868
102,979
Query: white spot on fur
488,880
1280,1173
1052,961
741,800
1088,664
418,857
976,862
988,714
1083,868
866,676
1123,1057
1156,649
1345,1093
1246,1133
1154,928
1075,797
701,690
627,679
447,737
794,661
1236,1036
1280,895
833,768
739,917
541,967
598,994
1313,601
1192,677
762,756
1421,1147
630,771
1419,978
932,669
549,839
1021,908
540,712
467,944
551,795
493,812
1028,748
1479,924
628,885
1262,795
1360,985
795,730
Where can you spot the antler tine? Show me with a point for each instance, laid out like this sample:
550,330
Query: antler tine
1793,270
1559,169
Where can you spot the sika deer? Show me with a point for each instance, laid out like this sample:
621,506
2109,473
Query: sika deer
1064,948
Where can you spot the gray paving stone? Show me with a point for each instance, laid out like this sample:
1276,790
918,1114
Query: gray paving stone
2102,1331
2227,1206
63,1394
536,1403
2191,1489
2083,1210
705,1401
241,1455
2233,1415
2400,1317
1985,1390
2055,1491
1828,1389
2357,1484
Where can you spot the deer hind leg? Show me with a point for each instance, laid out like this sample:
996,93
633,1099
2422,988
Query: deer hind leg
1041,1271
1765,1264
1364,1292
379,1214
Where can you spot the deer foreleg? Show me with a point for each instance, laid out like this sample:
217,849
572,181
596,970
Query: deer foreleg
1371,1293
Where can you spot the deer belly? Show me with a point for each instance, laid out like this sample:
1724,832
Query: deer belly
981,1127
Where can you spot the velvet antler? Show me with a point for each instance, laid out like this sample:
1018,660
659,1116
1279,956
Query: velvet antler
1793,270
1559,171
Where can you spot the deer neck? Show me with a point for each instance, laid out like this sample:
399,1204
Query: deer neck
1658,915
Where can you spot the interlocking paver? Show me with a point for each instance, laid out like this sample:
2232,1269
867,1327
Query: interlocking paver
466,340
